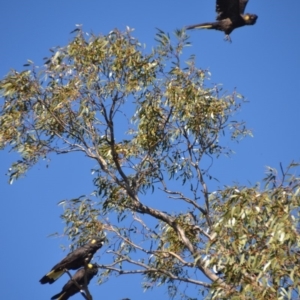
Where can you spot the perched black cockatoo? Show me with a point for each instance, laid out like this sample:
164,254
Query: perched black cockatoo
74,260
70,288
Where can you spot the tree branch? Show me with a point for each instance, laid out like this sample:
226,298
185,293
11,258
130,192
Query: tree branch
147,270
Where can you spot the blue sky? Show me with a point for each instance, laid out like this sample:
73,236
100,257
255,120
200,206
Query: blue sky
262,63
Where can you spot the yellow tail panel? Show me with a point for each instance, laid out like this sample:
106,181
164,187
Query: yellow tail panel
54,275
204,27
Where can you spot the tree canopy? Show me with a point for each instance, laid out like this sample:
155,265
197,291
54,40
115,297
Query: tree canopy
153,127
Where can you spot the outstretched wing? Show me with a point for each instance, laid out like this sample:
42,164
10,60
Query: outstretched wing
228,9
243,4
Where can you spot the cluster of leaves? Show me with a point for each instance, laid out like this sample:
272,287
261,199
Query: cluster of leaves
256,240
81,219
147,120
70,104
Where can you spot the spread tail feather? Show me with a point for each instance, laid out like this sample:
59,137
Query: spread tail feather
201,26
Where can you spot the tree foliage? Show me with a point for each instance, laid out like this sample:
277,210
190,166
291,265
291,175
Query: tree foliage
153,127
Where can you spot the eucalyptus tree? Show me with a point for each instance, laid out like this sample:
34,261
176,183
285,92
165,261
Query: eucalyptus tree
153,127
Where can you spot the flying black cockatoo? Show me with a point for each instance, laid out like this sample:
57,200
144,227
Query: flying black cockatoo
74,260
70,288
230,15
